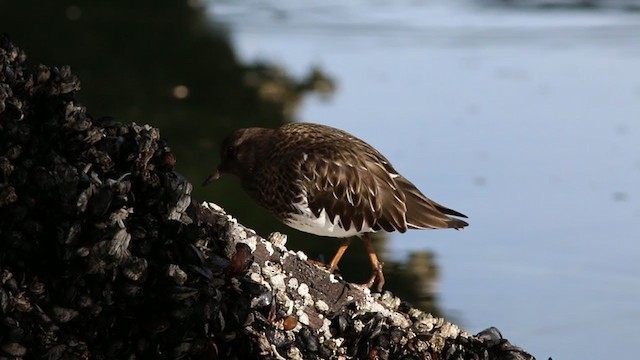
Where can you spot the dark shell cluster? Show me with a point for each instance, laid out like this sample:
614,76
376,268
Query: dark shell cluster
103,255
99,256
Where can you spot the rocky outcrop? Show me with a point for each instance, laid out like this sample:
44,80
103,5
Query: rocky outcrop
105,255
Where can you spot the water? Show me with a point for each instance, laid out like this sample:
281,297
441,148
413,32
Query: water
525,119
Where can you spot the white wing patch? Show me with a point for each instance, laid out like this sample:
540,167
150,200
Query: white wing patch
321,225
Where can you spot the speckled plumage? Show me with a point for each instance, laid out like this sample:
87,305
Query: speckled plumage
325,181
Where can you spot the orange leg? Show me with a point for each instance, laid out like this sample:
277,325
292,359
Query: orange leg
336,259
375,264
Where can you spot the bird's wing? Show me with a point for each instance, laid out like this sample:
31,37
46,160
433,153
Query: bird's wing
358,189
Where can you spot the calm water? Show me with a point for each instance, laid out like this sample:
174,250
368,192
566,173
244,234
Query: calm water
527,120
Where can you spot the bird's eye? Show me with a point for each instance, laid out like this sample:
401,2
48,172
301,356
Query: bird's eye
230,152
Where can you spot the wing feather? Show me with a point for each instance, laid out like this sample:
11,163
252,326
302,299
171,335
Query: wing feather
357,185
363,199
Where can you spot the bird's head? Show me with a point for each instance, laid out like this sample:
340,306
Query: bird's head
241,152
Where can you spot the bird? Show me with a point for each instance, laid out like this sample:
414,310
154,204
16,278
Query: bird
324,181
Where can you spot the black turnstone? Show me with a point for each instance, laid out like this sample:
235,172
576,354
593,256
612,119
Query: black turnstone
324,181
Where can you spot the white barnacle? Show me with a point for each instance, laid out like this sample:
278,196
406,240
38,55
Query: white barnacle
293,283
303,290
303,318
279,240
321,306
212,206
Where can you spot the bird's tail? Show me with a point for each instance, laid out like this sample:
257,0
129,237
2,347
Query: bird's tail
424,213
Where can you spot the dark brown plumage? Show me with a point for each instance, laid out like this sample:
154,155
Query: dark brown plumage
324,181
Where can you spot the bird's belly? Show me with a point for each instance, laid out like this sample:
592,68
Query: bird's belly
322,225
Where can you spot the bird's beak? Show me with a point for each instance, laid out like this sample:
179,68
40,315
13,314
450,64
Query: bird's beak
213,177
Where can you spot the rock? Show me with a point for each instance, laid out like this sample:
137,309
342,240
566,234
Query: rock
104,254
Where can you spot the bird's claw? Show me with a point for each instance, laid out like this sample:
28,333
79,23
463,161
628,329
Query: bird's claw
377,275
321,265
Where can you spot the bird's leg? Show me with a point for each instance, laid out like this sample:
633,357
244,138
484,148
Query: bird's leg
336,259
375,264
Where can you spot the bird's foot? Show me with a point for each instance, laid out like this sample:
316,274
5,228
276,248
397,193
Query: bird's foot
321,265
377,275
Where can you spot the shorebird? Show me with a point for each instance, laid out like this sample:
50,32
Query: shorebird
325,181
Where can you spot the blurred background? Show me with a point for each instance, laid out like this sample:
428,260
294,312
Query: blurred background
522,114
